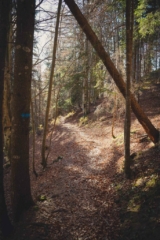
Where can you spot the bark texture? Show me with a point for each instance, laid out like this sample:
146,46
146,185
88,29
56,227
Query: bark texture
5,225
21,192
152,132
129,35
7,98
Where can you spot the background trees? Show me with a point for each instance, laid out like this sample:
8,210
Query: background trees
147,125
108,22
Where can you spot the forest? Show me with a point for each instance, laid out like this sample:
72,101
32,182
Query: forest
79,119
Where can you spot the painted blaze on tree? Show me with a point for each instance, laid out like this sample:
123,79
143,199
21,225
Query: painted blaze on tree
21,192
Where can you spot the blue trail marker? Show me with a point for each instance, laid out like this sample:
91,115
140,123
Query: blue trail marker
25,115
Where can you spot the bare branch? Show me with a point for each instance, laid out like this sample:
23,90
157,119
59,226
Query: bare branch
39,4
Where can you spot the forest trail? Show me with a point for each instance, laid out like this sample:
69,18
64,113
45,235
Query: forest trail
83,193
78,184
95,144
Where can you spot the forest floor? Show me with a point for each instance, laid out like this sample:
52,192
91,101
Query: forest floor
83,193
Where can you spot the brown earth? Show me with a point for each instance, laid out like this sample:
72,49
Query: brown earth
83,193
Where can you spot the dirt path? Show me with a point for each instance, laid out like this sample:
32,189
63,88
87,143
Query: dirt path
80,183
93,144
78,188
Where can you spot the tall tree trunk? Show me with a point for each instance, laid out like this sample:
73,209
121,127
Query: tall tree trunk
152,132
129,35
21,191
7,98
39,117
44,162
85,98
33,139
5,225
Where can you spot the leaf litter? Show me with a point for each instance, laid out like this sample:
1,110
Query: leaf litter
85,193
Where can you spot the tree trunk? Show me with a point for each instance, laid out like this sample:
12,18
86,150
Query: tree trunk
5,225
33,139
85,98
152,132
129,34
6,99
44,161
21,191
